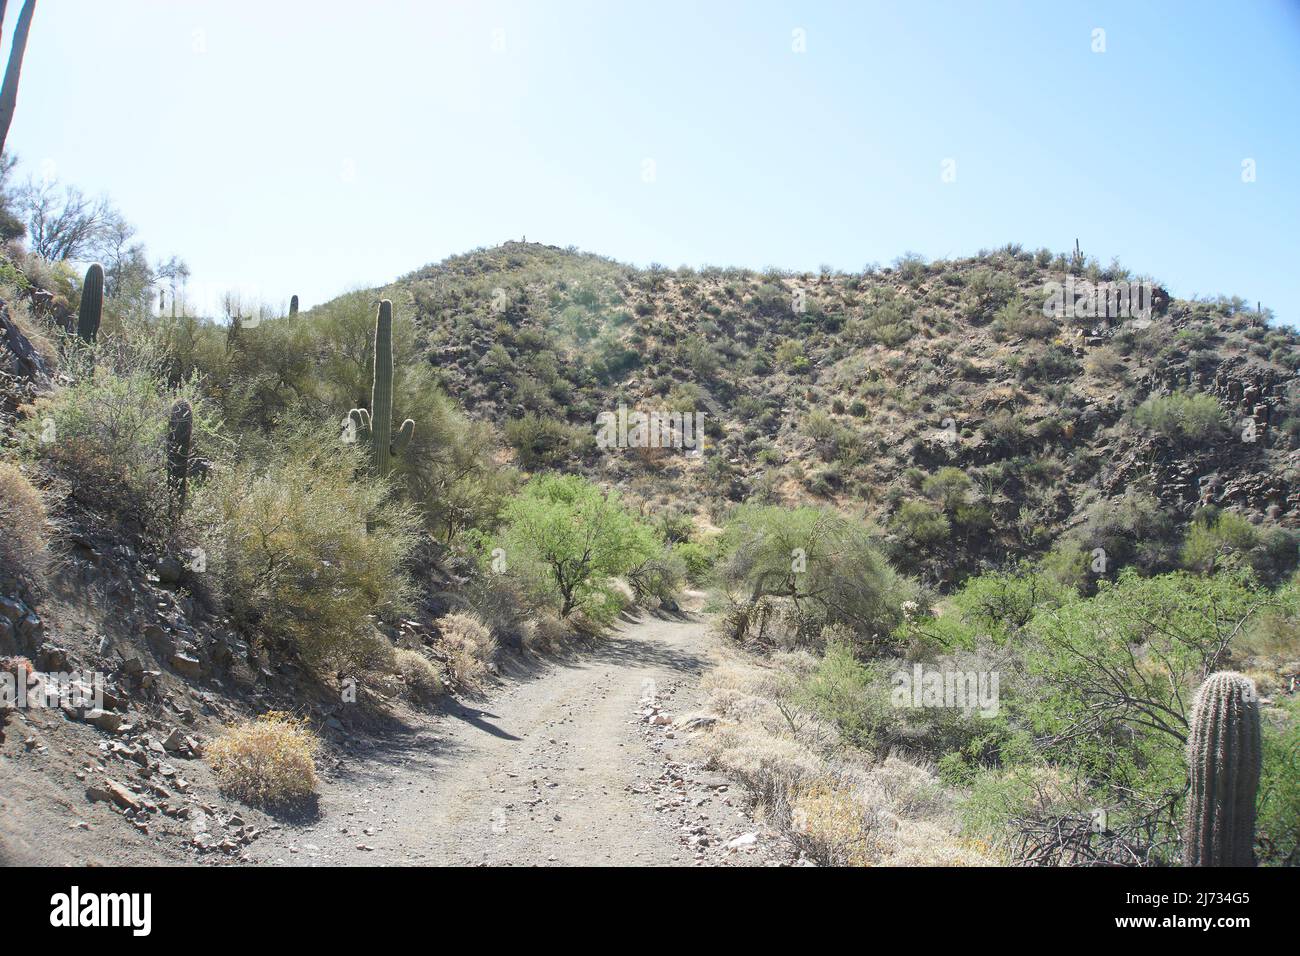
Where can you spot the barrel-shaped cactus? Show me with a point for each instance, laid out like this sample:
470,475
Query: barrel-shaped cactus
92,304
1223,763
376,426
180,434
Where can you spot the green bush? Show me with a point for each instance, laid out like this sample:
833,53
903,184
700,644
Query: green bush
544,441
105,435
825,564
849,694
1278,807
565,538
698,559
1182,417
310,547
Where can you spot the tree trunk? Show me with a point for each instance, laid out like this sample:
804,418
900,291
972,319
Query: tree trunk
9,92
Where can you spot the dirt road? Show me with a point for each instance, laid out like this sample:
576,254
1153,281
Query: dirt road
556,770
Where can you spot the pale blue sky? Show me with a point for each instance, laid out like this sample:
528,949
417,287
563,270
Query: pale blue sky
305,147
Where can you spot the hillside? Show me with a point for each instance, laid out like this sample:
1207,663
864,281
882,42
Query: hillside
881,381
906,474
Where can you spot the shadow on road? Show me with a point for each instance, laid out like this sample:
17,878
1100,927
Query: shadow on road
475,719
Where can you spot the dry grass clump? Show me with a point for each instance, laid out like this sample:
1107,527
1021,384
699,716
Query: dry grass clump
423,683
543,633
834,827
20,313
24,550
837,804
469,647
269,761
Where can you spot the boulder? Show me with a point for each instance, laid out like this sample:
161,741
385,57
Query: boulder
105,720
186,664
112,792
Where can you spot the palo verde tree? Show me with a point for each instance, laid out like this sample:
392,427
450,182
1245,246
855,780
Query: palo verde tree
566,538
824,565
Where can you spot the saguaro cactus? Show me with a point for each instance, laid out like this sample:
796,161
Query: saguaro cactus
376,425
293,306
1223,763
180,433
92,303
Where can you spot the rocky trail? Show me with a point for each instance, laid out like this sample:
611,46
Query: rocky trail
571,765
575,765
584,758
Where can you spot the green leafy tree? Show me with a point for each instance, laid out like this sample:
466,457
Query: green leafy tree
567,537
826,566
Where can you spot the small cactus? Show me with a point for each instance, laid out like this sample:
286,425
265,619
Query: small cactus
180,433
376,425
293,306
92,304
1223,750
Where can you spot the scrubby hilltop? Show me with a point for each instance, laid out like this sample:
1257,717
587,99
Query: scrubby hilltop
866,390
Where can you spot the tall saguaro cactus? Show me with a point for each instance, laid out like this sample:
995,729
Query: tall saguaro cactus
92,303
1223,763
180,434
293,306
376,425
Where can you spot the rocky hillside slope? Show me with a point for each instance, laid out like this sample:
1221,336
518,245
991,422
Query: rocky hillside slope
859,389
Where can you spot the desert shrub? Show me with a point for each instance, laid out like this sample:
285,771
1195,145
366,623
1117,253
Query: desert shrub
1005,431
469,645
1218,541
565,538
543,441
37,333
890,325
1278,806
949,486
658,577
698,559
919,529
1130,530
447,471
987,292
1222,540
311,546
849,694
544,632
105,435
1182,417
833,826
421,678
1114,677
1018,319
24,549
270,761
675,527
826,565
1106,363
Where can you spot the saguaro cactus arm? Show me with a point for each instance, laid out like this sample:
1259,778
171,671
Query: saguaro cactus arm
1223,753
403,436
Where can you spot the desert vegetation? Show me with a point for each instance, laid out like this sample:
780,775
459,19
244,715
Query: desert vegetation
913,472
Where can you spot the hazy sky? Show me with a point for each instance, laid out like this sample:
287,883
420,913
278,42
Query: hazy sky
285,146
